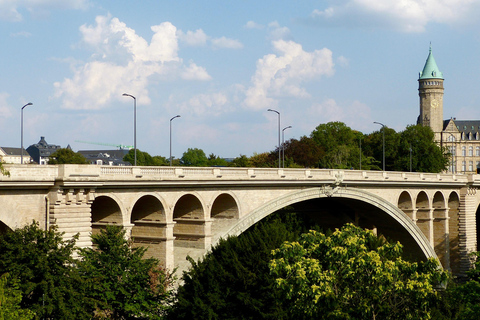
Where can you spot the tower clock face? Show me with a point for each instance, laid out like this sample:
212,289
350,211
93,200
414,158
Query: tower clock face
434,103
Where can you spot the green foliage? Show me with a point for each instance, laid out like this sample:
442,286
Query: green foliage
3,170
264,160
145,159
350,275
123,284
241,161
233,281
340,143
194,157
41,261
427,155
66,156
304,152
10,298
215,161
373,147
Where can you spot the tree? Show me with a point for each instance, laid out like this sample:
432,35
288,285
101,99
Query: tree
42,262
145,159
304,152
264,160
216,161
194,157
340,144
121,281
352,275
241,161
427,155
373,147
66,156
10,299
233,280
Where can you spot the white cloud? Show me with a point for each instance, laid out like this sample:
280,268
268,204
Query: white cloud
5,109
198,38
276,32
9,8
226,43
123,62
202,104
195,38
253,25
194,72
23,34
282,75
401,15
356,115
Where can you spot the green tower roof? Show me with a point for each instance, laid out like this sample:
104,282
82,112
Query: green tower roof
430,71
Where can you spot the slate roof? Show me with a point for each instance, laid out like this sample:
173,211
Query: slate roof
114,156
14,151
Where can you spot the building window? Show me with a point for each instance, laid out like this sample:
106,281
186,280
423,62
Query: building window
470,151
464,151
463,166
470,166
451,138
477,151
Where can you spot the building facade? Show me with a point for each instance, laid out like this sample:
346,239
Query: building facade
460,137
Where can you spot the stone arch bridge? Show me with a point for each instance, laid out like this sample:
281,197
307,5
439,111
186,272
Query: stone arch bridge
179,211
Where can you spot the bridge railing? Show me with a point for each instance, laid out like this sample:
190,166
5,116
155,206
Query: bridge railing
95,172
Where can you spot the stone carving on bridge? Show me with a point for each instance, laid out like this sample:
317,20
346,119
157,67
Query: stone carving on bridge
329,190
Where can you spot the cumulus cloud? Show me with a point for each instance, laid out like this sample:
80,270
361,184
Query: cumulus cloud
198,38
277,32
253,25
226,43
123,62
401,15
9,10
5,110
193,38
282,75
202,104
357,114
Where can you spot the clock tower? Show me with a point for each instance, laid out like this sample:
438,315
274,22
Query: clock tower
430,90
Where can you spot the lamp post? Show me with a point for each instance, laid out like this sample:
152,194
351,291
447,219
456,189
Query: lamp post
279,162
360,142
134,125
383,130
177,116
410,157
283,145
21,133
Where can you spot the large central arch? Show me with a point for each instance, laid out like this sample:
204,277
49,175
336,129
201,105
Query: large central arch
341,192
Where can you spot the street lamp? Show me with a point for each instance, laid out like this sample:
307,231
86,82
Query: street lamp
283,144
134,125
21,133
177,116
383,130
279,162
410,157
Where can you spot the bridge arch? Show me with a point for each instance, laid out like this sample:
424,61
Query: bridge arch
414,233
150,228
106,210
191,224
225,206
454,231
440,227
405,203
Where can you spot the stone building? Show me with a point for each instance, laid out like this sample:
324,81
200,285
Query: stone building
460,137
14,155
41,151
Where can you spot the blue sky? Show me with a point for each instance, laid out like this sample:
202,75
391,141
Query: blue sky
222,64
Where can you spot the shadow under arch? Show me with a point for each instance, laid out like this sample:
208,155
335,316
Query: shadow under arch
190,225
150,227
105,210
423,249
